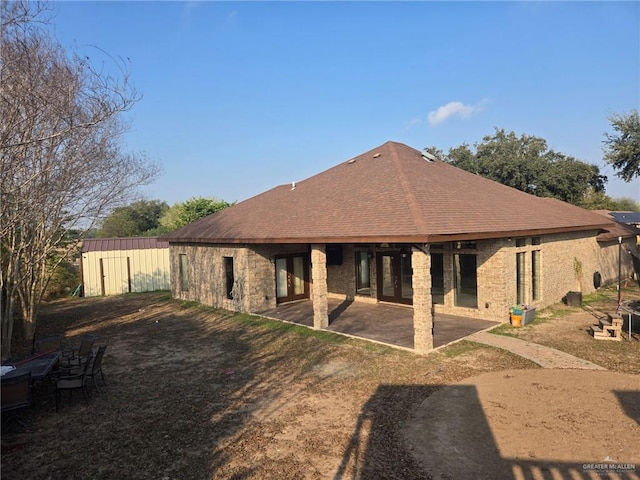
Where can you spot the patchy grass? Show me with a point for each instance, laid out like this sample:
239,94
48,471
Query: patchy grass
568,329
195,392
595,297
541,317
505,329
552,313
460,348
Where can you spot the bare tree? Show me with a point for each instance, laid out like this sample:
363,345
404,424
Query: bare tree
61,161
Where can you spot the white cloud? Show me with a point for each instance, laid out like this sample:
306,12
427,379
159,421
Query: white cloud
452,109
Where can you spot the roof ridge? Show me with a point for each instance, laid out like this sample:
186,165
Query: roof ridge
412,201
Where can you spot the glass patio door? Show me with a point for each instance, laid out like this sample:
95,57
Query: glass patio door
395,277
292,278
465,280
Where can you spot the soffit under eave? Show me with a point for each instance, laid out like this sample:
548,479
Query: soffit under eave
435,238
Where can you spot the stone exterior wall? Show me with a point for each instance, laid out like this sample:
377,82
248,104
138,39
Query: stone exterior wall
341,278
205,271
568,263
422,308
319,281
496,271
262,273
608,260
493,280
254,272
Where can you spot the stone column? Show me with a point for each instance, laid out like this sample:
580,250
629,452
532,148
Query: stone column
422,302
319,280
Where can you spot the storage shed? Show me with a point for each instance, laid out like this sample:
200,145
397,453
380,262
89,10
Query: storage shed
112,266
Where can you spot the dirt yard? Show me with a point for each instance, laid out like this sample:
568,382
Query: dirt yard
195,393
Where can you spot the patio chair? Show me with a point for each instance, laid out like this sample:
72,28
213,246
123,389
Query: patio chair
48,343
93,371
73,381
15,396
96,368
77,356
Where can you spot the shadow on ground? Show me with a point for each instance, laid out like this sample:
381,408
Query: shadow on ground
450,437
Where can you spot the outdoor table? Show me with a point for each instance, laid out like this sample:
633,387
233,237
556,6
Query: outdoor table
632,307
40,365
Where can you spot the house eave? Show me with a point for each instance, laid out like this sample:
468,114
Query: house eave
431,238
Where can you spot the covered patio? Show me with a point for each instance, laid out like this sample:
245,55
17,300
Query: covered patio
386,323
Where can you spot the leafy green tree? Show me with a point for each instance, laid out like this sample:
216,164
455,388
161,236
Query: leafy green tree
569,179
525,162
141,218
625,204
463,157
184,213
598,201
511,160
622,148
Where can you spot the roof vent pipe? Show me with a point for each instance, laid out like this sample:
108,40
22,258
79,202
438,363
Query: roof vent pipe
428,156
293,185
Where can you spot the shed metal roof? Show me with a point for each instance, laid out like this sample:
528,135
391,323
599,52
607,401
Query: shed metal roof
128,243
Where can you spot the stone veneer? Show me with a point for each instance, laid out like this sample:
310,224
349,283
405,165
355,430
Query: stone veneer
254,272
422,311
319,281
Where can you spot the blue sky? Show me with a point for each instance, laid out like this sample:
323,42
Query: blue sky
239,97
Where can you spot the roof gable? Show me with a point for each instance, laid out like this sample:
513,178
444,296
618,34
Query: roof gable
390,193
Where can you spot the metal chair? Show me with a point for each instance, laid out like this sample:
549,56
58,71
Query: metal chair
15,395
77,356
48,343
73,381
96,368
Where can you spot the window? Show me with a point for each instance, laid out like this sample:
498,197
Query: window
363,273
466,245
535,275
334,254
528,270
228,275
406,276
183,272
520,275
465,280
437,278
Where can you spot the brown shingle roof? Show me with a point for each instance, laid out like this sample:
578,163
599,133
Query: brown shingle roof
388,194
615,229
128,243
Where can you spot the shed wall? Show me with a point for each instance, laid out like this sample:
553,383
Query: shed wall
125,271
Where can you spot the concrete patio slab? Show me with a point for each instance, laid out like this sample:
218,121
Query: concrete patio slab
386,323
